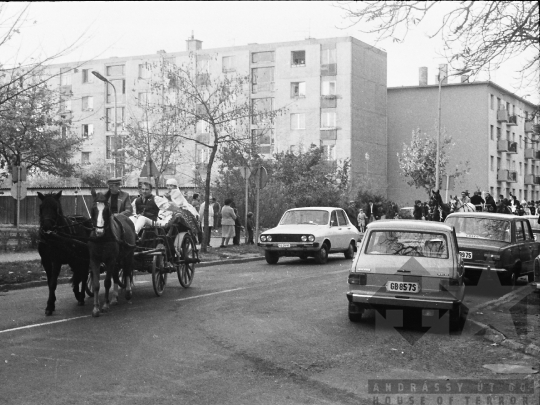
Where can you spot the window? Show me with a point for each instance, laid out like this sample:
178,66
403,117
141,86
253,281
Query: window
228,64
142,98
298,89
513,136
65,77
115,70
499,106
498,133
144,71
109,118
498,163
329,152
85,158
328,120
203,127
298,58
328,56
267,56
203,64
342,218
87,103
329,88
491,101
120,85
520,169
491,160
108,147
333,219
260,108
491,132
519,231
263,136
87,130
65,105
64,131
520,141
87,76
298,121
203,155
262,79
508,135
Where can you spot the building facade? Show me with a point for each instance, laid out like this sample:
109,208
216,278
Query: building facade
491,129
333,92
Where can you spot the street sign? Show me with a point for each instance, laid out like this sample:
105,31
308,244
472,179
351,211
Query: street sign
19,190
447,182
245,171
149,164
18,171
263,176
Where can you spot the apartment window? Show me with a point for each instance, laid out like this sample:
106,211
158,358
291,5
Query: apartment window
65,105
498,133
257,57
142,98
513,136
328,120
144,71
87,103
491,132
203,154
520,141
109,118
85,158
228,64
499,106
513,165
87,76
508,107
115,70
87,130
298,58
120,85
64,131
262,79
108,147
298,89
491,101
498,163
491,161
328,56
65,77
520,169
298,121
328,88
329,152
260,108
202,127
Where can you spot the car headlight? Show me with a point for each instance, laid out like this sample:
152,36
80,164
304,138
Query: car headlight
269,238
311,238
263,238
304,238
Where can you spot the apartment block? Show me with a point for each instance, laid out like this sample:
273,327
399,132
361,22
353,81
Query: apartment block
490,127
333,91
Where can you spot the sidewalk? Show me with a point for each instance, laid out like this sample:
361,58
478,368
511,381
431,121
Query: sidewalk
513,320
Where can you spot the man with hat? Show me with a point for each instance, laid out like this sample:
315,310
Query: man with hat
352,214
119,201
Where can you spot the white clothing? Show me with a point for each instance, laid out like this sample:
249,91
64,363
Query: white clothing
210,214
140,222
179,201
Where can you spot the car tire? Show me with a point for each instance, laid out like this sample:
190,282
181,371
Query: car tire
456,316
271,257
355,316
349,253
322,254
508,278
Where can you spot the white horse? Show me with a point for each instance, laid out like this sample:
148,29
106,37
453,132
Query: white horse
458,206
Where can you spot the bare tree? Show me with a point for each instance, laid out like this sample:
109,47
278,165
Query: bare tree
478,35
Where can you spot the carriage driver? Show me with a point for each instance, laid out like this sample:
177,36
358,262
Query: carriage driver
147,207
119,201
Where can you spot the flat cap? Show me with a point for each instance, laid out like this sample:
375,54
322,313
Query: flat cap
115,180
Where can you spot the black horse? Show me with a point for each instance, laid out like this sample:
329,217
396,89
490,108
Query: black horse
438,210
62,241
111,242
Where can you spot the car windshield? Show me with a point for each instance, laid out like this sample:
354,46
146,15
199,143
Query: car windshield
402,243
297,217
481,228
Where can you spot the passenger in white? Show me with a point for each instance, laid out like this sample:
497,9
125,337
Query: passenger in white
147,207
177,199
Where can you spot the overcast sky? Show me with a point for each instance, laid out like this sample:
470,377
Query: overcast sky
138,28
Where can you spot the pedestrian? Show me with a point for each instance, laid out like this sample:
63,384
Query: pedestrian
195,201
119,201
418,211
237,228
525,208
227,223
491,206
217,209
425,211
532,208
250,226
351,213
210,220
361,219
370,212
477,201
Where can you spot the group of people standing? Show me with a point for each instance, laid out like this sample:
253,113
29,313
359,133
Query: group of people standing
502,205
360,218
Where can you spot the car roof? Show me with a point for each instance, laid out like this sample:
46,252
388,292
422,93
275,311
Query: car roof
316,208
491,215
530,216
410,224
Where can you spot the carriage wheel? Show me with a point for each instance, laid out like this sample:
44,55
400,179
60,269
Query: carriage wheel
188,255
159,276
89,286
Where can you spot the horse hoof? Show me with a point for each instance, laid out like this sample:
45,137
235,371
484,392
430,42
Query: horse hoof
104,309
48,312
128,295
95,313
80,303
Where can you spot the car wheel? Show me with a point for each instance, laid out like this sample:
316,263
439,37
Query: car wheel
271,257
349,253
530,277
322,254
508,278
456,316
303,257
355,313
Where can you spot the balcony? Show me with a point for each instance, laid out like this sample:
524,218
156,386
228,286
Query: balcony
328,102
502,116
530,179
260,87
512,147
512,121
329,69
529,126
504,145
506,175
537,180
328,134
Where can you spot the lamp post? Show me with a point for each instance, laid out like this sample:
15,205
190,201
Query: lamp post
115,145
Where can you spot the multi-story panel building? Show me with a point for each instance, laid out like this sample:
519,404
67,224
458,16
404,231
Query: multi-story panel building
490,127
333,91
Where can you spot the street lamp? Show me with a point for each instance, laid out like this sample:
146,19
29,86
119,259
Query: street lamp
115,145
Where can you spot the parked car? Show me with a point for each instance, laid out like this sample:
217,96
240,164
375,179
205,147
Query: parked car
310,231
407,264
501,244
535,226
406,213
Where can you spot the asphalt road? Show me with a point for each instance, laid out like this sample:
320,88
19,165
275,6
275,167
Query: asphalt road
247,333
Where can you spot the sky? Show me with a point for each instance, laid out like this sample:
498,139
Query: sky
111,28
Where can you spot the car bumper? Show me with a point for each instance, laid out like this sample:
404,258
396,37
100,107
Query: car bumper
374,301
484,267
295,248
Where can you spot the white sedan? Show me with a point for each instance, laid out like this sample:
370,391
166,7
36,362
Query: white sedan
310,231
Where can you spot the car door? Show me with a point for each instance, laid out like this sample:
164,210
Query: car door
334,231
523,247
529,250
345,229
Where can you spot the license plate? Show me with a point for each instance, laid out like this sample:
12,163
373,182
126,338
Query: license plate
402,286
465,255
284,245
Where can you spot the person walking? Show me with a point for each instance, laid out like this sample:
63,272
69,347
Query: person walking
250,227
195,201
361,219
210,220
370,212
227,223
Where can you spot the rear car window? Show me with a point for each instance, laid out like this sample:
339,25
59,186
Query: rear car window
520,236
534,223
315,217
481,228
400,243
342,218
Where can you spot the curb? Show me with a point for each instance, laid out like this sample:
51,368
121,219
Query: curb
66,280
